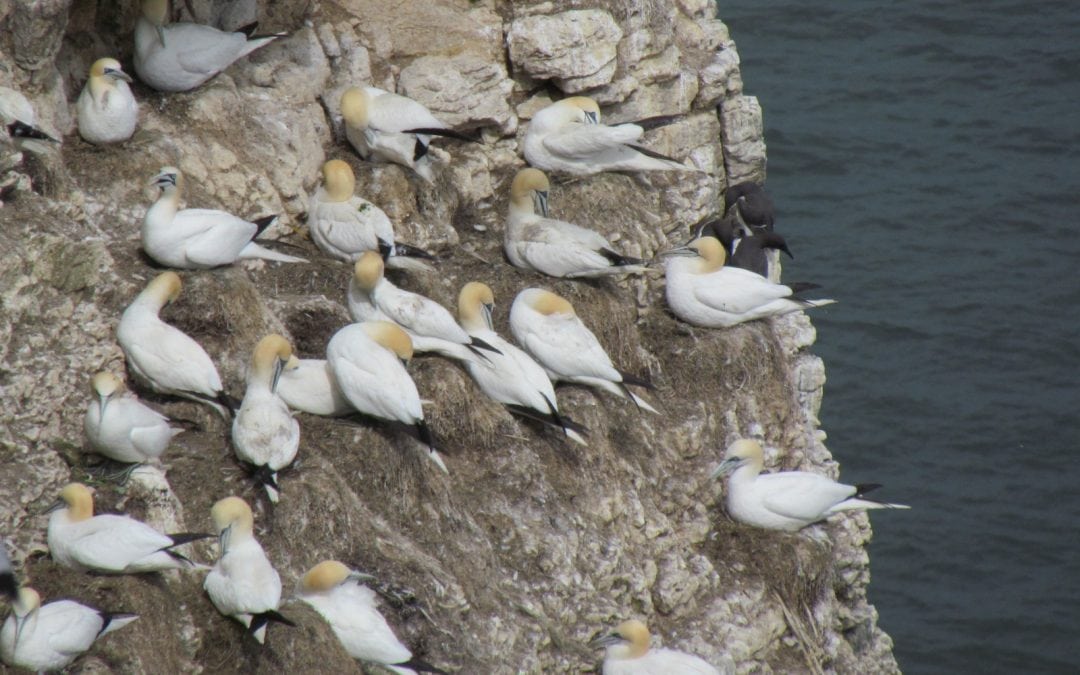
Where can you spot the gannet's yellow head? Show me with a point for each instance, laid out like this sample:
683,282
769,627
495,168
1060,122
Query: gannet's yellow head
585,108
355,104
27,601
712,253
105,384
391,336
339,180
475,302
326,575
156,11
368,270
79,501
164,288
272,355
108,68
529,191
233,521
743,452
546,302
630,640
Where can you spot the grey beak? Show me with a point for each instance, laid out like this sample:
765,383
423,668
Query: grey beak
118,74
161,35
279,366
541,199
487,316
102,402
678,251
359,577
606,641
55,506
223,540
592,118
726,467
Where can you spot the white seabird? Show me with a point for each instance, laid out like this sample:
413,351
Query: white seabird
311,388
17,116
364,358
568,136
511,376
345,225
786,500
554,247
163,356
243,584
387,127
51,636
431,327
123,428
109,543
264,432
702,291
628,653
199,238
181,56
547,327
106,110
337,593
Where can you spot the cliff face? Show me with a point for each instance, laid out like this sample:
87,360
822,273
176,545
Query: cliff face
531,544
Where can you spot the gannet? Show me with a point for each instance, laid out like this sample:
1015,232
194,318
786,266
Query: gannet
703,292
786,500
568,136
311,388
510,377
106,110
628,653
364,358
121,427
9,587
199,238
181,56
339,596
554,247
109,543
264,432
243,584
163,356
51,636
431,327
18,119
345,225
745,247
387,127
549,330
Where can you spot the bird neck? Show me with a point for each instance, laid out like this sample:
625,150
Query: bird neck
99,87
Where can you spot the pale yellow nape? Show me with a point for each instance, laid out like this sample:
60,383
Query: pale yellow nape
391,336
548,303
368,270
637,633
354,107
340,180
325,576
79,500
232,512
712,252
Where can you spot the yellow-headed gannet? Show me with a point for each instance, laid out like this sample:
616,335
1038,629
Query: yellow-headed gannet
199,238
549,329
366,362
373,297
337,593
106,110
511,376
17,116
163,356
568,136
628,653
181,56
109,543
345,225
51,636
311,388
387,127
702,291
243,584
121,427
264,432
554,247
786,500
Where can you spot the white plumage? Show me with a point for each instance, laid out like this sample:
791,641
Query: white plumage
628,653
787,500
549,329
19,122
51,636
568,136
702,291
121,427
311,388
106,110
199,238
181,56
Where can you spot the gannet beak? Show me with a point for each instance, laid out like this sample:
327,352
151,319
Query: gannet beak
104,401
726,467
678,251
360,577
163,179
606,641
55,506
592,118
161,35
279,365
118,74
223,540
540,201
487,309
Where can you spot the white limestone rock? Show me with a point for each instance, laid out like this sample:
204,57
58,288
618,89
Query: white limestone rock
576,48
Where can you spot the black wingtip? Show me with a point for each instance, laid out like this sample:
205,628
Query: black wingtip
248,30
862,488
264,222
801,286
652,153
233,404
263,618
649,123
552,417
108,617
618,259
477,342
181,538
424,433
411,251
419,666
629,378
419,150
445,133
9,587
19,129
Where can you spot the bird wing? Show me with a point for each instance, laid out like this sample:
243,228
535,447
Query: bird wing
69,627
354,615
203,49
171,358
800,495
382,392
584,141
737,291
418,314
353,226
565,346
110,542
510,376
216,237
391,112
560,248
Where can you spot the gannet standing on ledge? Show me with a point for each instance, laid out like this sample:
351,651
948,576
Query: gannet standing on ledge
106,110
628,653
121,427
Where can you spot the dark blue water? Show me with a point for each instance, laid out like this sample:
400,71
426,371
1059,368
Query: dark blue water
925,161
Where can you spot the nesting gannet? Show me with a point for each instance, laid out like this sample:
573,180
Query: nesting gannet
199,238
702,291
264,432
109,543
510,377
786,500
311,388
747,204
555,247
163,356
106,110
339,596
431,327
243,584
628,653
121,427
364,358
388,127
51,636
181,56
345,225
9,587
547,327
568,136
18,119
